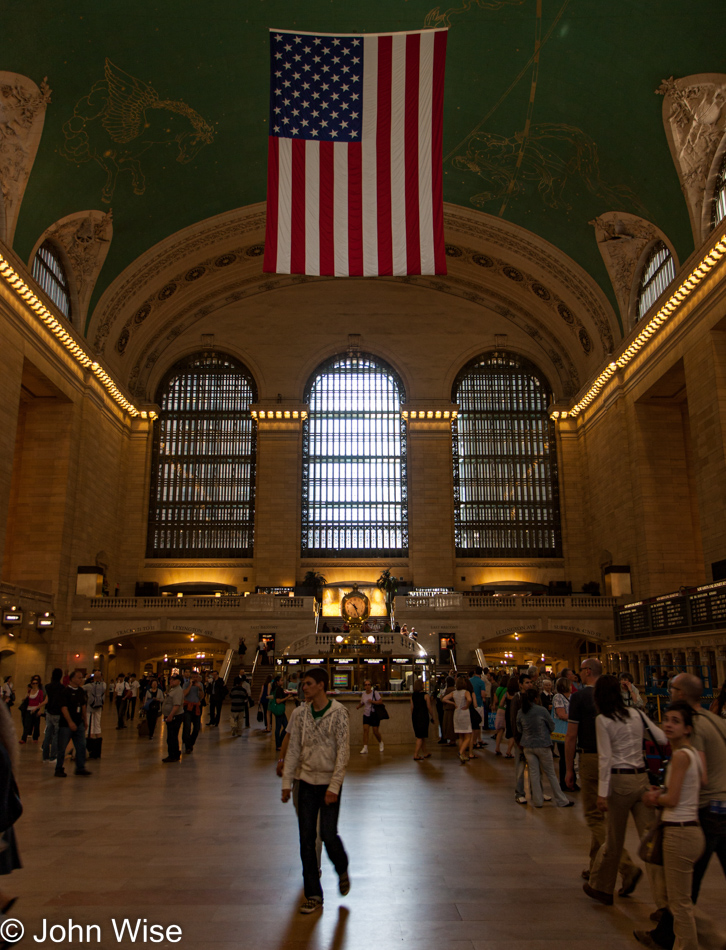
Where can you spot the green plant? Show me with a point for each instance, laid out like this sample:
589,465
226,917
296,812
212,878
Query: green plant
314,580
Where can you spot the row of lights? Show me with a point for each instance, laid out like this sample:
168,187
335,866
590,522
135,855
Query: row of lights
279,414
674,301
63,336
430,413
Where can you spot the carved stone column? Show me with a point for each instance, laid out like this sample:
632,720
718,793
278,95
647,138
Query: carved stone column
430,494
277,497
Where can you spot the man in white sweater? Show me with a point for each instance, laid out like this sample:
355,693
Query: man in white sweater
317,756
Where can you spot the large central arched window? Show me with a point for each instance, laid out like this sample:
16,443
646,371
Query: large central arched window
203,473
354,500
505,466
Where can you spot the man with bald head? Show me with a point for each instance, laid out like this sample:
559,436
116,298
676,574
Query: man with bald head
581,737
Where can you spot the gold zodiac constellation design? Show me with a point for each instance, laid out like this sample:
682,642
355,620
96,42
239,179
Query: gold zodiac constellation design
121,119
435,18
550,155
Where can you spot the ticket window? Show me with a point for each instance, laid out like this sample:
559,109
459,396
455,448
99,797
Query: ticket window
402,672
343,679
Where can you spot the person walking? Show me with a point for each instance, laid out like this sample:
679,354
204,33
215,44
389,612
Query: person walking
421,716
217,695
622,781
461,699
172,709
582,737
683,837
53,694
276,706
262,704
121,693
96,692
317,755
134,686
30,710
500,708
526,682
560,713
73,725
238,698
193,692
369,699
7,691
478,687
152,705
534,735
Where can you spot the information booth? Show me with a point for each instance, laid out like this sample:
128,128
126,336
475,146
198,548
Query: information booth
347,674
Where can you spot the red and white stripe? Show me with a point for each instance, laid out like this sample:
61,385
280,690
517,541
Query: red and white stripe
373,207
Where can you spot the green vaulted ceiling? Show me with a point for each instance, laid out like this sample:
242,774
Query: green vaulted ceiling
594,133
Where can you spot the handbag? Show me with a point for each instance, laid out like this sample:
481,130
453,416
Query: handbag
655,756
651,847
277,709
380,710
260,715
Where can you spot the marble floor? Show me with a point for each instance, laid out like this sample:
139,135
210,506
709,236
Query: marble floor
441,858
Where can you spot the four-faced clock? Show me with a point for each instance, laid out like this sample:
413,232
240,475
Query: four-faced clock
355,606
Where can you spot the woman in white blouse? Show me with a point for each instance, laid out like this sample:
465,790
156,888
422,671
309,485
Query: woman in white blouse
623,779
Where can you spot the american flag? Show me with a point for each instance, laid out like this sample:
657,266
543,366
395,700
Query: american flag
354,177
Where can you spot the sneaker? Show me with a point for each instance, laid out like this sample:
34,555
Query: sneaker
363,751
311,904
344,884
380,747
547,798
83,772
520,799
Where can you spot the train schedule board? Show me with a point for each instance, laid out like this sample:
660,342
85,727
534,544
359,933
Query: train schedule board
634,620
668,613
708,604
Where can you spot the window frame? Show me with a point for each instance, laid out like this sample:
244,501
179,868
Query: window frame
247,441
57,290
549,484
644,299
310,524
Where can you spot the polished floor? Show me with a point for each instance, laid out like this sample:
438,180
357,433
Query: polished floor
441,858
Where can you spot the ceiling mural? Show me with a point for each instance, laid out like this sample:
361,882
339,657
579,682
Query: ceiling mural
159,111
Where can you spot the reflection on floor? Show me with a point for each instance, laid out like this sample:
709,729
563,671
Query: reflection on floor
441,856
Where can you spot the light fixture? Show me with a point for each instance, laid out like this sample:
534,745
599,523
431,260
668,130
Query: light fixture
339,639
371,639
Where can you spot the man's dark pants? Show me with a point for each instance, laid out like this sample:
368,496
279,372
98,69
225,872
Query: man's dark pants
172,736
65,734
311,803
192,725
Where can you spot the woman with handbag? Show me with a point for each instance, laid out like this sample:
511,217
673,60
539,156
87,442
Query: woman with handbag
30,710
461,699
534,728
682,837
152,705
623,778
369,699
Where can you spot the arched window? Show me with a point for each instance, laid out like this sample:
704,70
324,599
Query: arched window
658,272
203,472
719,196
505,463
49,274
354,500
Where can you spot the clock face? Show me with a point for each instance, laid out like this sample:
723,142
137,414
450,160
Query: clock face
355,606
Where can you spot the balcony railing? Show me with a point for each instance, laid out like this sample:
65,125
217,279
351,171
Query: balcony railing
253,604
460,601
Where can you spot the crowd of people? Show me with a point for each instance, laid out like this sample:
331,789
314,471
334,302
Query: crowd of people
594,723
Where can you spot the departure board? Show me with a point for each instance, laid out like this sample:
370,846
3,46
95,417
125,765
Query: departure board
668,613
634,620
708,604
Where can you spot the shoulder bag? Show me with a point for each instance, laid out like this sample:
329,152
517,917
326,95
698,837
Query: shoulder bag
656,756
380,709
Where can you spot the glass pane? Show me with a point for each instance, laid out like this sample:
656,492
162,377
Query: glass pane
354,463
505,471
658,273
49,275
203,477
